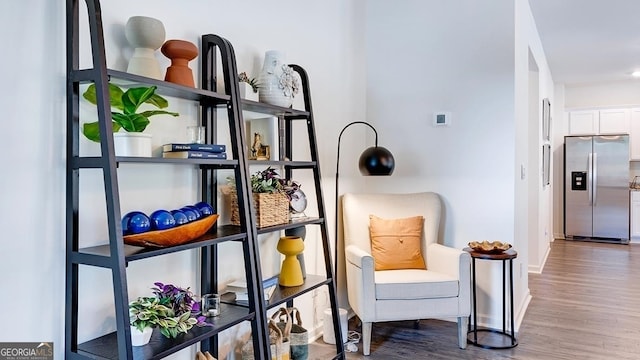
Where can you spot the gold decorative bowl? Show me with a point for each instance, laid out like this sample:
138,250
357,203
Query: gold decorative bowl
174,236
494,247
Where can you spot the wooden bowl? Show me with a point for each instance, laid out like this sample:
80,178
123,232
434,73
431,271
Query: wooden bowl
174,236
494,247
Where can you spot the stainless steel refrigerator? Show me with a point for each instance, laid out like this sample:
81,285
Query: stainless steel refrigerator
596,187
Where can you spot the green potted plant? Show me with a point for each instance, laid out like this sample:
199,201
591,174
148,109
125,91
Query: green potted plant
127,116
248,87
268,181
271,196
173,310
144,314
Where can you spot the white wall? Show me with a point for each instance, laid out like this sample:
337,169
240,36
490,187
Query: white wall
32,206
559,130
620,93
540,227
457,56
319,36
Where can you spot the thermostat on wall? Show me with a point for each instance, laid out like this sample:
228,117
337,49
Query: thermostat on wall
442,118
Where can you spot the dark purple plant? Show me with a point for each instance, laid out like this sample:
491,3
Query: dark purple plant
178,299
269,181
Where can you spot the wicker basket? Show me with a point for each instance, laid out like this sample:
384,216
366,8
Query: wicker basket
271,209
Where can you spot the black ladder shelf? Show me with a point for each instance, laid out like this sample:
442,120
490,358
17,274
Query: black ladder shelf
286,117
115,255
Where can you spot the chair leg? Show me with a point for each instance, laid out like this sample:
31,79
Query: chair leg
463,323
366,338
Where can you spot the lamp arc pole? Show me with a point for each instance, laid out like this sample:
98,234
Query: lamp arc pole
374,160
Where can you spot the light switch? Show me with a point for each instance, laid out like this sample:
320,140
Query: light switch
442,118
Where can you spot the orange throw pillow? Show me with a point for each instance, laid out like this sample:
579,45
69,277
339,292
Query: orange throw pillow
395,243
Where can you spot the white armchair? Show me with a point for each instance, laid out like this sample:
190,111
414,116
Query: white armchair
440,291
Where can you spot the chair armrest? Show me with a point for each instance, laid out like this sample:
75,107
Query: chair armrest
358,257
448,260
456,263
361,286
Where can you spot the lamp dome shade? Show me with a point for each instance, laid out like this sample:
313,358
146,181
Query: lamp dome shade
376,160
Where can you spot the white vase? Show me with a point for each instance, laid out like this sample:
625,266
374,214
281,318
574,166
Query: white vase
139,338
146,35
133,144
270,90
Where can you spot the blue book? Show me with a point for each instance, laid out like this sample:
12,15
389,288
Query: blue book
194,155
214,148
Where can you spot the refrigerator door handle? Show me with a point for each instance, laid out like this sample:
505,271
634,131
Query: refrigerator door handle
590,176
594,180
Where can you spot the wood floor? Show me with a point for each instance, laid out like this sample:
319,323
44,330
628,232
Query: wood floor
586,305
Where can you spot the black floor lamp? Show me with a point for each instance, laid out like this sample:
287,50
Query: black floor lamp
374,161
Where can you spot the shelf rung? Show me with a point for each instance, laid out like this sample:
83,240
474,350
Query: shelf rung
91,259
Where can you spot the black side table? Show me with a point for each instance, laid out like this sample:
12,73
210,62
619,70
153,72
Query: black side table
472,335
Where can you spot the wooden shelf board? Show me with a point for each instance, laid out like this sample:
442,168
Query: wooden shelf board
268,109
89,162
132,253
107,346
284,294
124,79
291,224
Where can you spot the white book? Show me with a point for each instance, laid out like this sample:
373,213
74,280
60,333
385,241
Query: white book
240,289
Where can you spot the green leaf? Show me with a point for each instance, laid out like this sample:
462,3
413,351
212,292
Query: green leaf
163,323
134,97
158,101
115,96
131,122
165,332
92,130
184,317
183,327
149,113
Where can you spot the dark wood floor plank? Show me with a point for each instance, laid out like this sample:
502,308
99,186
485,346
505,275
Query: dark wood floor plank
585,305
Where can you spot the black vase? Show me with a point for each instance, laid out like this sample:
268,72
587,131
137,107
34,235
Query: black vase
300,231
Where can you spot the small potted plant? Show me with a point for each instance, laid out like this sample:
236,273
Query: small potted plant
271,196
173,310
144,315
268,181
127,117
248,87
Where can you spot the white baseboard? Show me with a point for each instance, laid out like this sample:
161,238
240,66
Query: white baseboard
522,309
537,269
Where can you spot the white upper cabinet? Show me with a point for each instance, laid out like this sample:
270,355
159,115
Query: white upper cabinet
600,122
614,121
583,122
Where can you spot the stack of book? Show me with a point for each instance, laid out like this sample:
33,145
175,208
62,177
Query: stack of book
237,291
194,151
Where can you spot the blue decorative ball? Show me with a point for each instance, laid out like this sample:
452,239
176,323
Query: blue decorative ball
194,210
204,208
162,220
190,214
180,217
135,222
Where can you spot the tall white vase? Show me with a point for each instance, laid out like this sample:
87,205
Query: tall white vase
270,89
146,35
